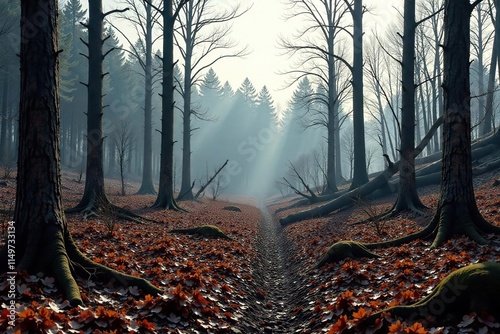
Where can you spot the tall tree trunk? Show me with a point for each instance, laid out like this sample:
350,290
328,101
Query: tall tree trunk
147,186
186,187
488,112
480,73
332,127
436,81
39,217
94,177
407,196
165,198
360,175
457,211
338,153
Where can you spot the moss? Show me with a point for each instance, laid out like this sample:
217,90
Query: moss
204,231
345,249
474,288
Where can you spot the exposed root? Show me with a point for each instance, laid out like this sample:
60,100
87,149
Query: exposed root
351,249
469,289
89,269
167,204
96,206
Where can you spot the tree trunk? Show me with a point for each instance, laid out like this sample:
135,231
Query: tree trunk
457,211
186,187
94,177
407,195
488,113
165,198
360,175
147,186
480,74
332,127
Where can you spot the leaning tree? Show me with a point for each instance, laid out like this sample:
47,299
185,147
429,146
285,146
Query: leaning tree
43,241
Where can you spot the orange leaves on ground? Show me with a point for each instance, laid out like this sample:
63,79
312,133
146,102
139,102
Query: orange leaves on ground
339,326
360,314
199,299
401,328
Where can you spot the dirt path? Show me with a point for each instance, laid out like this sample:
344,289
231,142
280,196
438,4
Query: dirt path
276,282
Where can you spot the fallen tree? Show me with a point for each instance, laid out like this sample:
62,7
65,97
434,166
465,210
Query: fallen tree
354,195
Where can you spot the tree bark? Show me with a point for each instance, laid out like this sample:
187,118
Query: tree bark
360,175
488,112
186,189
147,186
457,211
94,177
4,154
407,196
165,198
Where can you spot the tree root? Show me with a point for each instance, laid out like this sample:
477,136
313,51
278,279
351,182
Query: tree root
87,269
442,227
167,204
96,206
473,288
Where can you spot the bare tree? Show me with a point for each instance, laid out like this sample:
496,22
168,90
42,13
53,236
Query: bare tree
202,37
144,21
318,56
123,139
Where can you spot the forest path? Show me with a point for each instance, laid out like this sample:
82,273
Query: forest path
276,280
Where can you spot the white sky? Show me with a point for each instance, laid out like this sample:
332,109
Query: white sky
260,28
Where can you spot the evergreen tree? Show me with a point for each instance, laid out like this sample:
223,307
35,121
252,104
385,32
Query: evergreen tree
247,96
266,112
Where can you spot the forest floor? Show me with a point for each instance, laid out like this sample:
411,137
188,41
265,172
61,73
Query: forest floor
258,283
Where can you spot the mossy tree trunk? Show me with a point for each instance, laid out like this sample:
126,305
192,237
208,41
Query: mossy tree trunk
43,242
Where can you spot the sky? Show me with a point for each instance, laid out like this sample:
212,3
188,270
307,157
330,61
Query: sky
260,29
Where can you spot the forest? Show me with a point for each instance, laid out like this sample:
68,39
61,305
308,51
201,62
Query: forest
141,193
